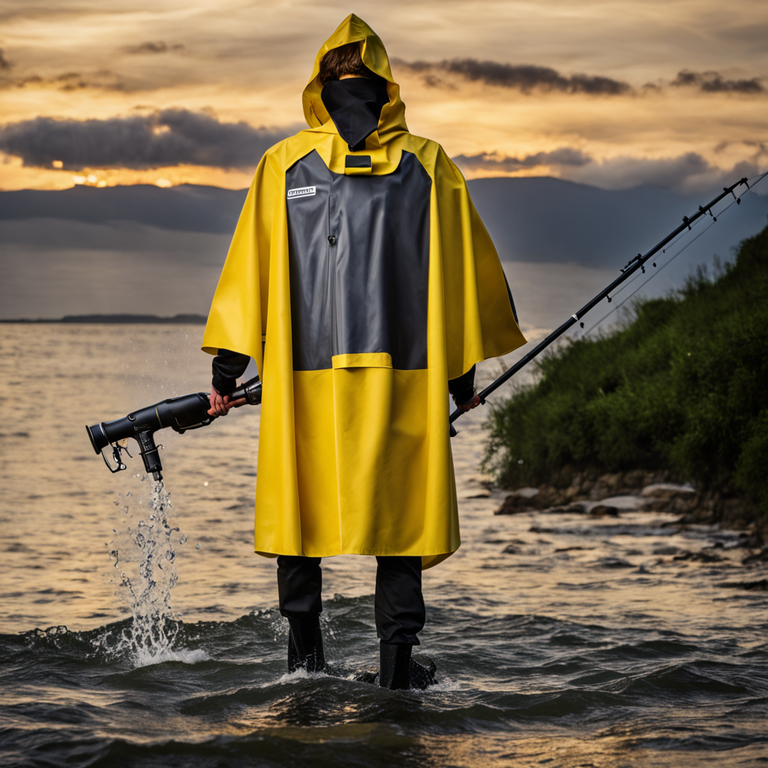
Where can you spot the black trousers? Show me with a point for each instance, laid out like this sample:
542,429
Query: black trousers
399,603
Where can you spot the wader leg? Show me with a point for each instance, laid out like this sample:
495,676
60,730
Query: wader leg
399,605
299,586
400,615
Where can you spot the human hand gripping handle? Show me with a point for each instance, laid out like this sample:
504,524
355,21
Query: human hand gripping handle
221,404
473,402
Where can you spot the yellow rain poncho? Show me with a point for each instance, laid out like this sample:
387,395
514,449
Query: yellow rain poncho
372,282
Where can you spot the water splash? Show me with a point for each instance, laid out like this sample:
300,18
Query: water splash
145,558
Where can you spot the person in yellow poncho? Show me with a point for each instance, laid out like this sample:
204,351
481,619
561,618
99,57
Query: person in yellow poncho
361,280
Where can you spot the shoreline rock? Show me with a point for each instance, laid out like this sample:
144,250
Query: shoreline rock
582,492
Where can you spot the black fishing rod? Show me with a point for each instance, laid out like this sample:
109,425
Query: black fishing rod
632,266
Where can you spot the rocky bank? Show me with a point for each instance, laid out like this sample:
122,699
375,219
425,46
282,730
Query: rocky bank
608,495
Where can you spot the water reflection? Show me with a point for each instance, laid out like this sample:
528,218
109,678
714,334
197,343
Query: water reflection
560,639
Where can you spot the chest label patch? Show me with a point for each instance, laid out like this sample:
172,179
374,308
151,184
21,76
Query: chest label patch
301,192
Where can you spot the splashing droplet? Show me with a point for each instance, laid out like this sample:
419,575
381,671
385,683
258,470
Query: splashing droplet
148,547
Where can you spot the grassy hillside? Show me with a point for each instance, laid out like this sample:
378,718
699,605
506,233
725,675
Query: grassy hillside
682,387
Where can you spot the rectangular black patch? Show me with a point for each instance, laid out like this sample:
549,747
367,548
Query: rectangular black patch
358,161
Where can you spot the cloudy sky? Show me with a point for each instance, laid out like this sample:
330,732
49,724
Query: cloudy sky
615,94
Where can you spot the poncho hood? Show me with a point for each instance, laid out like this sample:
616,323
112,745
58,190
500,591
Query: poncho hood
354,29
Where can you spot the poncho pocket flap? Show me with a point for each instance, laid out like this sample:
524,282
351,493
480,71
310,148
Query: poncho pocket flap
363,360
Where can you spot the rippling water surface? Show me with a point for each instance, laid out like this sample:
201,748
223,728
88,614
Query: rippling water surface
560,639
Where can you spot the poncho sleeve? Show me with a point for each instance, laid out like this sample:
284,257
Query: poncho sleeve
238,314
480,321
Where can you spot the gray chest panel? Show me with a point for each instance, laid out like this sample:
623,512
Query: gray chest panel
359,263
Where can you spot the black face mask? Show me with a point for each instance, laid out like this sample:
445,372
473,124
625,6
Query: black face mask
355,105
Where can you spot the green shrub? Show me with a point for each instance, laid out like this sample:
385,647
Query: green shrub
681,386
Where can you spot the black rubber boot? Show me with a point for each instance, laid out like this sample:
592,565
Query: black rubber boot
419,676
422,676
395,666
305,644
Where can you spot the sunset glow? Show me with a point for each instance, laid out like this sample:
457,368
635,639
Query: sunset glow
613,95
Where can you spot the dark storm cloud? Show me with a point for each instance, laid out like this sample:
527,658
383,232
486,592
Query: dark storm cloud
153,47
166,138
758,149
528,78
493,162
687,173
522,77
69,81
4,63
714,82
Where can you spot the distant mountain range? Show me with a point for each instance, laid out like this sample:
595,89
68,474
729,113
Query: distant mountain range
549,220
530,219
146,250
186,208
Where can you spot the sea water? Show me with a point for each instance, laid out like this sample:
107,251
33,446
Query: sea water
138,632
